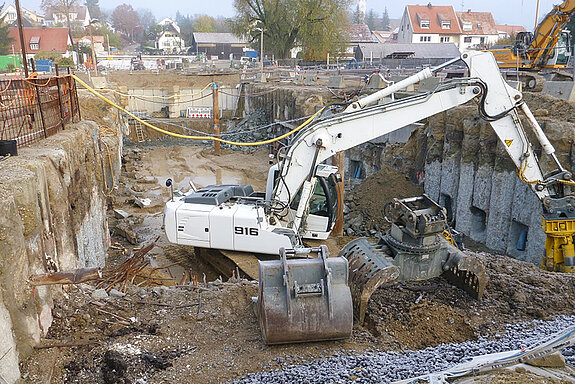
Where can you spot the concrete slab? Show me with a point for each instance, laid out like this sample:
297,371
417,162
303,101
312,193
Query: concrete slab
429,84
336,82
99,82
310,79
376,82
561,89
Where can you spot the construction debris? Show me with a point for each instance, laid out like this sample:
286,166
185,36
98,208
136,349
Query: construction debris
75,276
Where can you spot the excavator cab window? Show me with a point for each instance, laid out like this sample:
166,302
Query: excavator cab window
324,200
564,48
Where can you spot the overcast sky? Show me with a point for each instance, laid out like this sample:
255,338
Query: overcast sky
520,12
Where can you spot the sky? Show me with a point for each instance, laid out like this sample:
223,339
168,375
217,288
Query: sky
519,12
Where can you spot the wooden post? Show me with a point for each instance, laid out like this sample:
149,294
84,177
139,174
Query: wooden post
216,111
22,42
339,162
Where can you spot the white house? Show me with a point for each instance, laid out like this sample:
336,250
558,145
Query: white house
79,15
478,30
429,24
9,12
166,22
170,41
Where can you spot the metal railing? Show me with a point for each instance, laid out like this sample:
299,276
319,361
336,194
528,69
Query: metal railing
33,109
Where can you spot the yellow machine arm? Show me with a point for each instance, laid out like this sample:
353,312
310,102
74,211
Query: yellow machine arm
547,33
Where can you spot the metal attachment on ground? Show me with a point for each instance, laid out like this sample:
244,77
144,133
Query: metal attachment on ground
413,249
304,299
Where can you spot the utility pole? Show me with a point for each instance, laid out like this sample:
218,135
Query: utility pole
22,42
216,108
262,51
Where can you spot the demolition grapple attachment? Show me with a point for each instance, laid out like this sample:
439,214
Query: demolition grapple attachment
413,249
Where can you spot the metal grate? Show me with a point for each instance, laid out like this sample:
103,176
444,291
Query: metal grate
33,109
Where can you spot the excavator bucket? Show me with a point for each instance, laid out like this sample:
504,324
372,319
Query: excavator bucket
304,299
413,249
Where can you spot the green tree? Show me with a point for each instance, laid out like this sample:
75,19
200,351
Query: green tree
371,19
317,26
126,20
385,25
204,23
5,40
186,24
357,16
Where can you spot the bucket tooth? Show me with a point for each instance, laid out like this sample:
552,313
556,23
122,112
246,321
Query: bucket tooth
304,299
368,269
466,273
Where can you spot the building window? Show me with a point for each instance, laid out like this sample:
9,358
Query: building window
467,26
482,40
424,24
445,39
467,39
479,26
34,46
445,24
424,39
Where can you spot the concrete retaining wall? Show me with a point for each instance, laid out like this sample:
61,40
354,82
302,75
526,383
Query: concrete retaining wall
52,217
467,170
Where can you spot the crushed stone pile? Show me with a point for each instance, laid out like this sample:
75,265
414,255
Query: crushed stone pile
387,367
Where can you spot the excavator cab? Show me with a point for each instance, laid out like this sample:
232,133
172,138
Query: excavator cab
323,207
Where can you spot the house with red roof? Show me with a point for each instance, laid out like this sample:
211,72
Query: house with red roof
429,24
42,39
478,30
506,31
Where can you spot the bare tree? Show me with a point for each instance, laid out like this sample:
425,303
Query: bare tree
126,20
61,6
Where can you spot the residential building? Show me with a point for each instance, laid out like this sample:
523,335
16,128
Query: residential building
166,22
170,41
220,45
79,16
429,24
30,18
506,31
43,39
478,30
389,36
357,34
98,43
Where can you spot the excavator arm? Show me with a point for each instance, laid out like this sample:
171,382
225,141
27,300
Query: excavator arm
548,32
364,120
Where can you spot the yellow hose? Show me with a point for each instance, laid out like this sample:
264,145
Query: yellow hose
102,97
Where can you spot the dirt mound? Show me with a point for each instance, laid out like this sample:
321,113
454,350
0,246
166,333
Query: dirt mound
366,201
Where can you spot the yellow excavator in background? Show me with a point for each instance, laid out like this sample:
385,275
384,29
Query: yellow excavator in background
547,48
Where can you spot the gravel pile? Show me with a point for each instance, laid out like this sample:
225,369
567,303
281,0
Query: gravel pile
387,367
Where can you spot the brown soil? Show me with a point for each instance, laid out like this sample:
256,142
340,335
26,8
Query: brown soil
367,199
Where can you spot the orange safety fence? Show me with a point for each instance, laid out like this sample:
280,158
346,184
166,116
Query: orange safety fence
33,109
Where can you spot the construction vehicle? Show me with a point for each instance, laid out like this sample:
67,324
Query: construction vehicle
547,48
301,200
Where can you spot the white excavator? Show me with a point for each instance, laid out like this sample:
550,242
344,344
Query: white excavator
301,202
